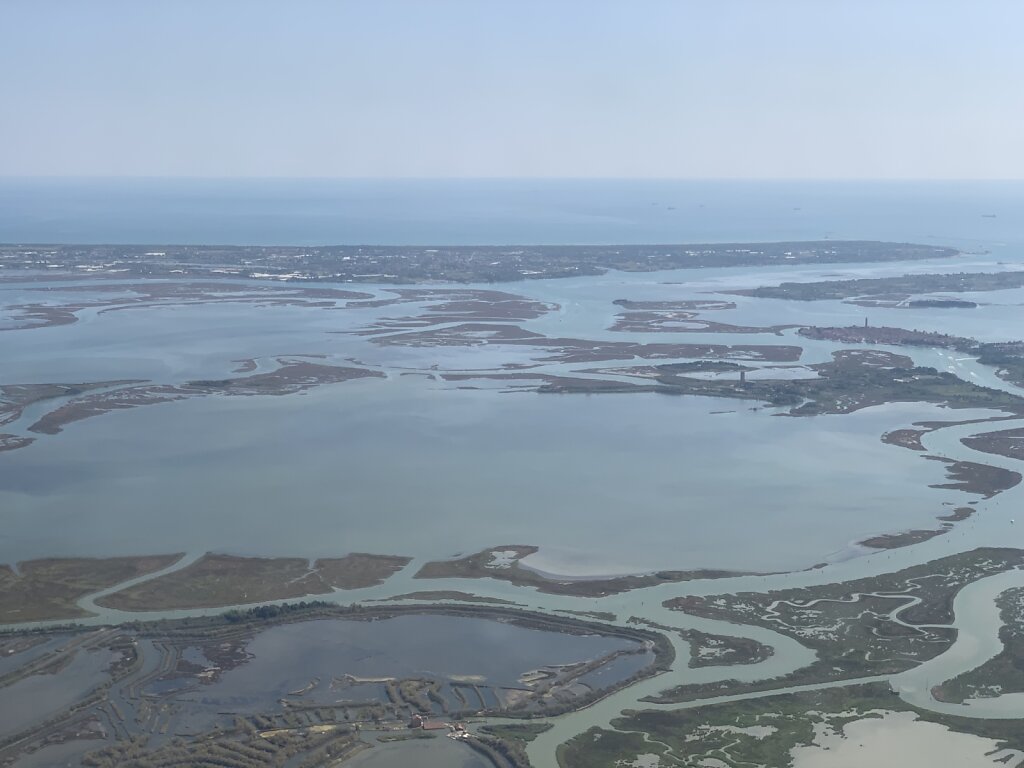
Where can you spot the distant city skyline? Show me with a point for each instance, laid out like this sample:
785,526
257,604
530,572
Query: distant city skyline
798,89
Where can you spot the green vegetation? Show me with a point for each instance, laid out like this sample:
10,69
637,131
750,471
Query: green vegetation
881,334
600,747
502,753
854,379
405,736
437,595
889,287
267,614
1003,673
524,732
754,732
707,650
1008,357
872,626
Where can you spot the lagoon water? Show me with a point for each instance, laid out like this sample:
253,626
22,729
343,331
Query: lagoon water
439,752
604,484
448,648
413,466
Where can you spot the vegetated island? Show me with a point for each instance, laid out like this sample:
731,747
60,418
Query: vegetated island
1006,356
891,291
941,304
1006,442
575,350
291,377
502,563
15,398
854,379
1002,674
768,731
448,304
871,626
709,650
910,437
111,297
972,477
439,595
216,580
14,442
681,317
414,264
47,589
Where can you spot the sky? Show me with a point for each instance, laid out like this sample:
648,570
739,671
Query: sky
811,89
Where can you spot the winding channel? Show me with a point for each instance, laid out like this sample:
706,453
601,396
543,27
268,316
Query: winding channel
976,620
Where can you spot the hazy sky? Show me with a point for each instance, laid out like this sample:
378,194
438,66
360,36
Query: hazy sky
680,88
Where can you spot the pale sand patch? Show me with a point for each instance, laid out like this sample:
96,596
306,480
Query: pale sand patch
757,731
502,558
900,740
642,761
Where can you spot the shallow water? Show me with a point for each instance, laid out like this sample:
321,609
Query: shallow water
439,752
66,754
37,696
325,661
287,657
900,740
603,484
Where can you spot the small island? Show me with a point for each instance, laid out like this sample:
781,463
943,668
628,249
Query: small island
502,563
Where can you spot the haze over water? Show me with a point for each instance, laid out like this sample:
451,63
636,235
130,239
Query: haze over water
504,211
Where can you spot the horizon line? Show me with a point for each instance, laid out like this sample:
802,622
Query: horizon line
773,179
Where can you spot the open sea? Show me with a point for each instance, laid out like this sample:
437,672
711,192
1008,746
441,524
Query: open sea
504,211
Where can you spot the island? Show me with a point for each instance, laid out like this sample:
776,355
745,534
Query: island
773,731
437,263
215,581
858,629
891,291
503,563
